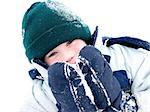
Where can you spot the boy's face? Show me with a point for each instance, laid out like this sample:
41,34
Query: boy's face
65,52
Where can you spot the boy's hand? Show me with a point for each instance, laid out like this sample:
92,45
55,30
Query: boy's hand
68,89
98,74
87,87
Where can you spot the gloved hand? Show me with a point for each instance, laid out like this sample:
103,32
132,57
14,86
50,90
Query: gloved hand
68,89
70,92
99,76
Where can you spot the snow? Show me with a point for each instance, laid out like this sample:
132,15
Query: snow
114,17
62,11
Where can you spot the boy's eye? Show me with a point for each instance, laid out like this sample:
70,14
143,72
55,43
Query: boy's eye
69,42
52,54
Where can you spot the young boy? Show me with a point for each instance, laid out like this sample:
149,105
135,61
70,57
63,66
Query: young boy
71,75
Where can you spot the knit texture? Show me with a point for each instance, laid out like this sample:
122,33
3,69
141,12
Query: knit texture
48,24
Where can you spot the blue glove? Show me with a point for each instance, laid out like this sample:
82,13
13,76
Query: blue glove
68,90
99,76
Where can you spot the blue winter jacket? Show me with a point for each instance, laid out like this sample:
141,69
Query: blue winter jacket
104,79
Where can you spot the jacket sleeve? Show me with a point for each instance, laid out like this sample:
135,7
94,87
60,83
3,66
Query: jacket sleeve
31,105
136,62
39,99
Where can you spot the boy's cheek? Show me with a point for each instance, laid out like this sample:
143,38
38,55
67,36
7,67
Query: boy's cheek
55,61
51,61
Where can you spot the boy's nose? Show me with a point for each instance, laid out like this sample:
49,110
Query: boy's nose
69,56
71,60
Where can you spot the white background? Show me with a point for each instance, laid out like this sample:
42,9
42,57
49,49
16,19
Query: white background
114,17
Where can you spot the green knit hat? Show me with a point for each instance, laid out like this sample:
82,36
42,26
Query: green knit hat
48,24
